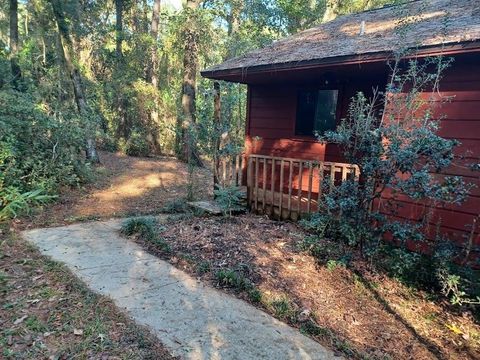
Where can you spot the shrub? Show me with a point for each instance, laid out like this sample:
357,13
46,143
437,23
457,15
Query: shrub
312,329
203,267
137,145
145,227
233,279
12,202
39,151
283,308
398,153
229,199
176,206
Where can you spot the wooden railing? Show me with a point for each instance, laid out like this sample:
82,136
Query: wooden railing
286,187
229,170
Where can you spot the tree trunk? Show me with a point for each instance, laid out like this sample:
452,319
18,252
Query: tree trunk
16,72
118,28
233,20
187,144
152,72
330,10
67,54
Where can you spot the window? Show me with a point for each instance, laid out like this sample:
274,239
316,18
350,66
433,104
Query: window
316,111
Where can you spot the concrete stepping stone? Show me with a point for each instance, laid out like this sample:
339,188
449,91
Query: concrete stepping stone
191,319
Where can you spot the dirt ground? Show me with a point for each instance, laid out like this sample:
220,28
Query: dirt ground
123,186
361,314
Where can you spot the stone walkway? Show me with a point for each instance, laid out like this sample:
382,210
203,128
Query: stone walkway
194,321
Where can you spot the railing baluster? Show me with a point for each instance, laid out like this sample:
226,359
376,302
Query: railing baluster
310,178
256,183
273,188
300,176
344,173
282,165
356,170
290,185
332,176
249,180
264,195
320,183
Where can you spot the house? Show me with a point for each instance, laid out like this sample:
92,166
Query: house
327,65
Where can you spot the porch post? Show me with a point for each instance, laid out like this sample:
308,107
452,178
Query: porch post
217,118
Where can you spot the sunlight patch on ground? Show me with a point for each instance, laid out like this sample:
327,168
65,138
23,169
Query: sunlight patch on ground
130,188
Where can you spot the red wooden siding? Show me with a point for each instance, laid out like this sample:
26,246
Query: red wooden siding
460,120
271,131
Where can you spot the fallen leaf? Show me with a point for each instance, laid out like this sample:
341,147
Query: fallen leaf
19,320
454,328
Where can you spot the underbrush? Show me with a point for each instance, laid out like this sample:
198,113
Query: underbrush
147,229
237,280
39,152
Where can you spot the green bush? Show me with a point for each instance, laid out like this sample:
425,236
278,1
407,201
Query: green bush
398,153
137,145
145,227
176,206
39,151
233,279
435,272
229,198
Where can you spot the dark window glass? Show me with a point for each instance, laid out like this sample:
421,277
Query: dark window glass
316,111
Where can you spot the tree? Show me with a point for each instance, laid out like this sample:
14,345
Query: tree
67,54
331,10
152,72
16,71
118,28
188,150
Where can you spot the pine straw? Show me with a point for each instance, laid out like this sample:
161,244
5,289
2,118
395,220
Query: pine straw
367,315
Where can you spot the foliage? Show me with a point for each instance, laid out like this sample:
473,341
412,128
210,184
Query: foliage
144,226
312,329
229,199
12,203
176,206
233,279
282,307
137,145
39,151
393,139
435,272
147,229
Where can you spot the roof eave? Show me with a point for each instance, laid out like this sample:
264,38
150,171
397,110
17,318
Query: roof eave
242,74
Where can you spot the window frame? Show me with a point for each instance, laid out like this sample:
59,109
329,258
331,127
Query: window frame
340,94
